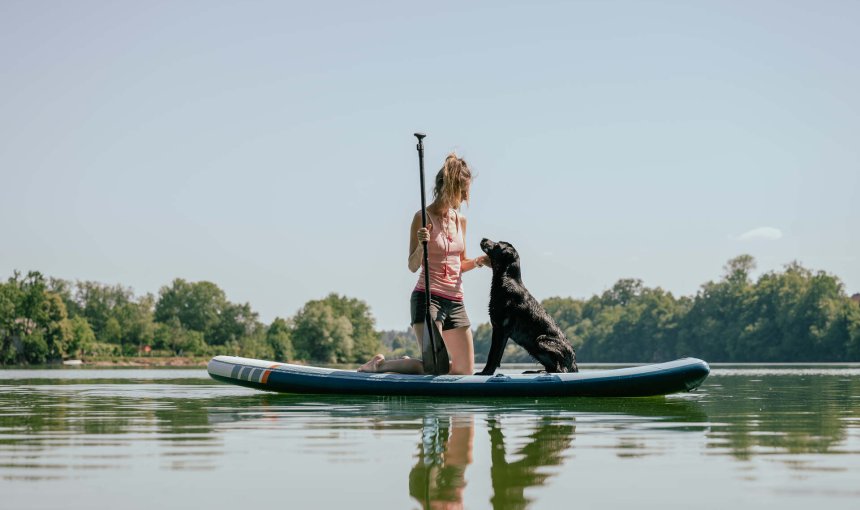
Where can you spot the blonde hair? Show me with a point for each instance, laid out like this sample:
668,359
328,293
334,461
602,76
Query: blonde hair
452,179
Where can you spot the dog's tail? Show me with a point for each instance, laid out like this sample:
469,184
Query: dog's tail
571,360
563,359
568,356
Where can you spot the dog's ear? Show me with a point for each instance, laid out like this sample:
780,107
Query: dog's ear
510,252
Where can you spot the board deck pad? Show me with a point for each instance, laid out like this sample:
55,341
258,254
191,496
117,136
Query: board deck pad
647,380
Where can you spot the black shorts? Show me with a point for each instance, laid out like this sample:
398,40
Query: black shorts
452,314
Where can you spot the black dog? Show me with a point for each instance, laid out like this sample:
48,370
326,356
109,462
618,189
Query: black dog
515,314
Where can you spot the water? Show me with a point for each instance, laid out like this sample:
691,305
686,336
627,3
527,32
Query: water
750,437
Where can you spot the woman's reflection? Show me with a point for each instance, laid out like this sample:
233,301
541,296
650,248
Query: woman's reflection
438,478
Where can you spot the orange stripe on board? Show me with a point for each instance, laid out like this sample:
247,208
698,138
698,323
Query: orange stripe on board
265,376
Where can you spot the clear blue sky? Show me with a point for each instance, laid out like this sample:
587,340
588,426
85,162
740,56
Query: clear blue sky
267,146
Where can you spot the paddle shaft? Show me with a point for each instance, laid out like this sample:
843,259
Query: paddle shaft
429,325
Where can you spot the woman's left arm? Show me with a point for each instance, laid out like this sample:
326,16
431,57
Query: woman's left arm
467,264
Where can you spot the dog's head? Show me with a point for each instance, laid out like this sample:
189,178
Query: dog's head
501,254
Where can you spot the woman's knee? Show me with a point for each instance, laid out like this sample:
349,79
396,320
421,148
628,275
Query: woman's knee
461,350
462,366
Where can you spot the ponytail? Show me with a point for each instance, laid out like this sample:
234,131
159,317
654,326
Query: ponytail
451,180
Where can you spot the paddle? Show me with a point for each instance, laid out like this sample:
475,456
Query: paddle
433,353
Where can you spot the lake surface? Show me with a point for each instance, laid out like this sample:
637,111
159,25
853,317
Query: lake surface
750,437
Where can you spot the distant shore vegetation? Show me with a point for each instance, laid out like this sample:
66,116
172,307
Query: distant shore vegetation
792,315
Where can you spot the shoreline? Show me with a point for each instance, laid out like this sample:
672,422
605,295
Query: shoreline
198,362
147,362
125,362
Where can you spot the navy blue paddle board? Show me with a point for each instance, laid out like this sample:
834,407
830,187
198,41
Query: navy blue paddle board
661,379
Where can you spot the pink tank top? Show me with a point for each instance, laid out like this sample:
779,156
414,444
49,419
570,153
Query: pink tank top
443,251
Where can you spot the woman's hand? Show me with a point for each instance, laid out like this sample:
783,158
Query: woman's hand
424,233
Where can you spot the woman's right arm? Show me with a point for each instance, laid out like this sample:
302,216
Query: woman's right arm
416,235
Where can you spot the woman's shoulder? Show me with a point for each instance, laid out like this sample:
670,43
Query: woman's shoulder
417,219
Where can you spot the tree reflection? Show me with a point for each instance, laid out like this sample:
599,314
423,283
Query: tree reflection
110,418
785,413
743,413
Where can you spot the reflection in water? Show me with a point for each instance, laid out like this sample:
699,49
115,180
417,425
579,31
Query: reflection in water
439,453
545,447
792,413
529,440
40,423
438,478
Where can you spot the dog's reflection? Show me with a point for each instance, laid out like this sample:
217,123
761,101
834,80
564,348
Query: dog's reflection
438,479
546,446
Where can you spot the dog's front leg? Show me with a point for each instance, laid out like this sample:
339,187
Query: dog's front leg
497,348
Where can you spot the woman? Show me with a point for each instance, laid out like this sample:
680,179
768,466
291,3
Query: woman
445,235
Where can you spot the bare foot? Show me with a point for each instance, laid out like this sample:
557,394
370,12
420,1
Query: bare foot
373,364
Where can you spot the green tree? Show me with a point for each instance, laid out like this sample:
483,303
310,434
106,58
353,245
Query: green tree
196,305
113,313
34,326
137,323
55,326
9,332
798,315
82,337
852,340
720,313
66,291
112,331
235,322
366,341
569,314
203,307
279,338
99,303
396,344
171,335
791,315
483,339
322,335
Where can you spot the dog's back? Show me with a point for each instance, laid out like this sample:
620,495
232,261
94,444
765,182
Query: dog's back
542,338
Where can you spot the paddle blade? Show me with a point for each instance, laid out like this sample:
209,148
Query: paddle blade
442,364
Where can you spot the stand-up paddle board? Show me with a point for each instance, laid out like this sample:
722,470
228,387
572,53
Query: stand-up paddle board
661,379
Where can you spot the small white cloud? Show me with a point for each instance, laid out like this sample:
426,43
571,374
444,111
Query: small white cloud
761,234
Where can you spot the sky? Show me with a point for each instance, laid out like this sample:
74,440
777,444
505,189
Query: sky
267,146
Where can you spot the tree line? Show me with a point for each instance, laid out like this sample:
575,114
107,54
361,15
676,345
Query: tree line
48,319
791,315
